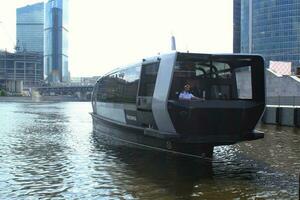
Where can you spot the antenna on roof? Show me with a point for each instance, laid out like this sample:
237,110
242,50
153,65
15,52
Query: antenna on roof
187,49
17,46
173,43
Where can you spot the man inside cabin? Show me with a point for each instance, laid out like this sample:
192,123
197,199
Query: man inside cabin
187,95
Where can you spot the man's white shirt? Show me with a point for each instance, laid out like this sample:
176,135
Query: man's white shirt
186,95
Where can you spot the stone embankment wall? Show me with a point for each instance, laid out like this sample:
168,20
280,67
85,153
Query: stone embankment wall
283,116
15,99
282,98
44,99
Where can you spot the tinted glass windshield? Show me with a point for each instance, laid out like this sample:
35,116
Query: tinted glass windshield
212,79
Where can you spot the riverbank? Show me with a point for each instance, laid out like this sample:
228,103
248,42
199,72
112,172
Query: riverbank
282,115
16,99
43,99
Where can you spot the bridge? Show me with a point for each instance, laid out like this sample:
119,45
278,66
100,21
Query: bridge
81,92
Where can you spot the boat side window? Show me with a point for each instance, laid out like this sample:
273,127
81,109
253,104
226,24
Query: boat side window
243,82
119,87
147,83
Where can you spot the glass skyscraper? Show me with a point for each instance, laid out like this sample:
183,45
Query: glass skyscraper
30,28
56,41
237,26
270,28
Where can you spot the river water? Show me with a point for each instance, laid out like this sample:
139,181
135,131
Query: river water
48,151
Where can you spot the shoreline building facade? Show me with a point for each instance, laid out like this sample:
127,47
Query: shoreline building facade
21,67
269,28
30,28
56,41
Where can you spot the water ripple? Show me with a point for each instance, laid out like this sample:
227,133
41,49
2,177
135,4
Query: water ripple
48,151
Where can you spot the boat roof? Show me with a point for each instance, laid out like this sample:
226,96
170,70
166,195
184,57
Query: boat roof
224,56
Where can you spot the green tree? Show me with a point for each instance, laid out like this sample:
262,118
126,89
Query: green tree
2,93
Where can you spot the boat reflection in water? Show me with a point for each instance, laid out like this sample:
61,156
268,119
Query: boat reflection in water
154,174
147,174
138,105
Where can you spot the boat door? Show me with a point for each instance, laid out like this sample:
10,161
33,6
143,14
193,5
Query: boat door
146,87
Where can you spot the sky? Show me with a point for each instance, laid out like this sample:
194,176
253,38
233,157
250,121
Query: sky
104,35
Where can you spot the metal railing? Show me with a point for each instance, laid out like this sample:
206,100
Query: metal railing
283,100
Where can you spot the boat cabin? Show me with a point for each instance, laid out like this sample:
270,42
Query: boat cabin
230,91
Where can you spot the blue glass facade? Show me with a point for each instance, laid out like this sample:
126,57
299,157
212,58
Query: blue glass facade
236,26
271,28
56,41
30,28
245,23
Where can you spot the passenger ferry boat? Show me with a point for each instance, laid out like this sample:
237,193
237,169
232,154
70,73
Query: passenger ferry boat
139,104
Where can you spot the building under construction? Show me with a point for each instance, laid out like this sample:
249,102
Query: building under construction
22,69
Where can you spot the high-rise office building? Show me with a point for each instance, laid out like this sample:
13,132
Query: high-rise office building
30,28
236,26
270,28
56,41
